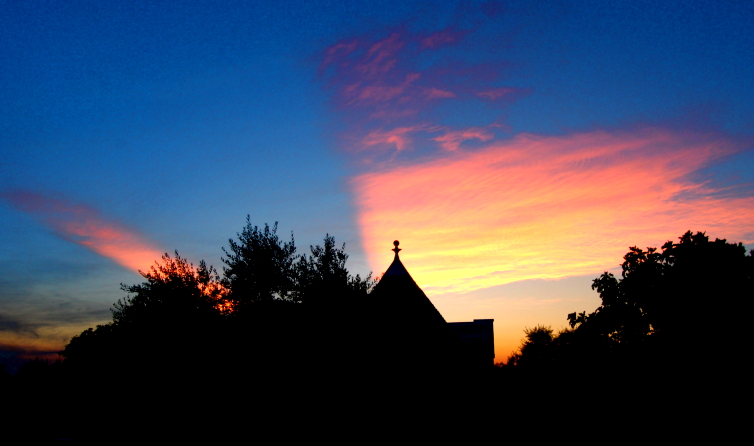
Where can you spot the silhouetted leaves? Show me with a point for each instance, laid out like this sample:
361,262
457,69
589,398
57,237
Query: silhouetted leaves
673,317
259,267
322,277
174,290
663,293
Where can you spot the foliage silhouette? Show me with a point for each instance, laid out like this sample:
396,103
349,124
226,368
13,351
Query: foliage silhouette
174,289
661,294
259,267
176,312
180,310
535,348
656,323
323,279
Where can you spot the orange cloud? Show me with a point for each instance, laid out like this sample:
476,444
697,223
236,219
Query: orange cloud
84,226
538,207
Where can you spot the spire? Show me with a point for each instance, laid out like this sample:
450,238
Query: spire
396,268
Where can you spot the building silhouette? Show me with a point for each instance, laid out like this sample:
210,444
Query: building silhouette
414,332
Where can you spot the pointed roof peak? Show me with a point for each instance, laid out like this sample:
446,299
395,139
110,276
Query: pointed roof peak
399,294
396,268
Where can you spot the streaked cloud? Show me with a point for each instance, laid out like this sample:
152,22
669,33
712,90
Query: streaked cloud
442,38
452,140
85,226
495,93
545,207
388,86
398,138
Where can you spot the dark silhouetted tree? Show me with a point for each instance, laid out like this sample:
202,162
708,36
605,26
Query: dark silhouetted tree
259,267
170,315
536,347
174,289
322,277
665,293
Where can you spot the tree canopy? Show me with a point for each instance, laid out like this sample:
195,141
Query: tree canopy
260,267
322,277
669,308
189,306
173,289
665,293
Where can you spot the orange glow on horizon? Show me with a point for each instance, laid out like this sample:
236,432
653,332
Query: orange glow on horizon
539,207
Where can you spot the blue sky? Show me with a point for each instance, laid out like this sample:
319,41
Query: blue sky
169,122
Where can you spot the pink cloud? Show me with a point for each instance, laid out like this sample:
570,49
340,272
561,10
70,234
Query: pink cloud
452,140
442,38
398,137
85,226
394,80
539,207
436,93
381,57
380,92
338,50
496,93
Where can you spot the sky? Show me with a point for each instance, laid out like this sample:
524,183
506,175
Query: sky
516,149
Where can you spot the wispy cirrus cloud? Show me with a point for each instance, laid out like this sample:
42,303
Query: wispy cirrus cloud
496,93
85,226
451,140
397,138
388,88
447,36
540,207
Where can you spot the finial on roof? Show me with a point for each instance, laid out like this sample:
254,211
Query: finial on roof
396,249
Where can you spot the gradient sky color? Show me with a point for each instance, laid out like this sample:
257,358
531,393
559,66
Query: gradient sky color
516,149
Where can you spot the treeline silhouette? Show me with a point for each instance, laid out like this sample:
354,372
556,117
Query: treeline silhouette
671,335
291,345
277,336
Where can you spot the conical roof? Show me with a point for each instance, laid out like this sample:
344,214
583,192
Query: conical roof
398,295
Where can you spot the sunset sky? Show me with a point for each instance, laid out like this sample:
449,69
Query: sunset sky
516,149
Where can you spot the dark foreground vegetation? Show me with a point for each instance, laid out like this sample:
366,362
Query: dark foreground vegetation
667,349
286,346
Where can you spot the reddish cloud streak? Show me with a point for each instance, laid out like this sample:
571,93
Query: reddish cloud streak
85,226
495,93
397,137
386,85
451,140
544,207
442,38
